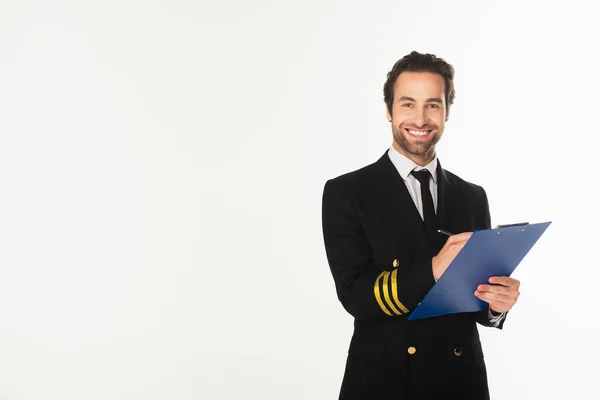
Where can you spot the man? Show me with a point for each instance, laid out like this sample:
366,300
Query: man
380,229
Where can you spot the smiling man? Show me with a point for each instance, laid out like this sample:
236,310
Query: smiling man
380,230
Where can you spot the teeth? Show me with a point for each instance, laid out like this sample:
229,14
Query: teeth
417,133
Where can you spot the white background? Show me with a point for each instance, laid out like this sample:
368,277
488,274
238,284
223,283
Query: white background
162,166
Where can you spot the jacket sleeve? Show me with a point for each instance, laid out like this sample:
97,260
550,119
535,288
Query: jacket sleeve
364,290
483,317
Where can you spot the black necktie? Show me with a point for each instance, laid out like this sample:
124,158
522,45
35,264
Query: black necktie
423,177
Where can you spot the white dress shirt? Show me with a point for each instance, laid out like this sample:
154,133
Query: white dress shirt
405,166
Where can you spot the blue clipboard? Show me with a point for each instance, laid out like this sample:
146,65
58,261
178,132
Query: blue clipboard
487,253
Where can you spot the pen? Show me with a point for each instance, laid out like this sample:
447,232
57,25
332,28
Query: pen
445,232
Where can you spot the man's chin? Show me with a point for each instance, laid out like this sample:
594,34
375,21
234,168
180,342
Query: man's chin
420,150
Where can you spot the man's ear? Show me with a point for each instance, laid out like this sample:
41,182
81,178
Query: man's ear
447,114
387,114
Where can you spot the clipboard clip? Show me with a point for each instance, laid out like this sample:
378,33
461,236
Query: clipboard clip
507,225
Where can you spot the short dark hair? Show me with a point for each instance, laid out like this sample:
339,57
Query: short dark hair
417,62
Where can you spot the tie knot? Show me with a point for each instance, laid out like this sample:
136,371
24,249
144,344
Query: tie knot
422,176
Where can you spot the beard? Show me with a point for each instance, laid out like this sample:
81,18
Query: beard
416,146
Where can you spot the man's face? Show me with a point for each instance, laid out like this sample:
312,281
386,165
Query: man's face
418,114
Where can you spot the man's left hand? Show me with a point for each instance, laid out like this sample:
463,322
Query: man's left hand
501,294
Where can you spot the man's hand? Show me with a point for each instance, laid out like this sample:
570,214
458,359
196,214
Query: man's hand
453,246
501,295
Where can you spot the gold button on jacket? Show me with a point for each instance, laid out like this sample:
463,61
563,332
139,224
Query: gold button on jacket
395,263
458,351
411,350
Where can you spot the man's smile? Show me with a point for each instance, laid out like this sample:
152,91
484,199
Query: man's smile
418,132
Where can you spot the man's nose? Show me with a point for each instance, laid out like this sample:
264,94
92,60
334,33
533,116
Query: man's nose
421,118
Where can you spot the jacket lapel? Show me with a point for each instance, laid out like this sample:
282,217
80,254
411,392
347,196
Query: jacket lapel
444,191
399,205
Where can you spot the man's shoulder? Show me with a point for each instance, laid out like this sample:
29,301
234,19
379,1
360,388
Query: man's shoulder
358,177
457,181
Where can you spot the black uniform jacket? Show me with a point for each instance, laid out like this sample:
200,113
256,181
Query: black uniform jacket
380,258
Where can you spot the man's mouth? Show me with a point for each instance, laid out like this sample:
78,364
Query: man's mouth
418,132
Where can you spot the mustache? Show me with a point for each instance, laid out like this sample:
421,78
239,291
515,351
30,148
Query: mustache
424,127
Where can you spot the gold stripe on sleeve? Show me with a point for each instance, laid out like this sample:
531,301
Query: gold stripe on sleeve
386,293
378,296
395,291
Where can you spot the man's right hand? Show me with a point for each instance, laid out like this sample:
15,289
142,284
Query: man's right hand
453,246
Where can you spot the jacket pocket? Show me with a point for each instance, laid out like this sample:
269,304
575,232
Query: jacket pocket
371,348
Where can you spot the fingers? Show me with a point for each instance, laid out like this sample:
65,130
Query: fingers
444,258
497,289
497,292
461,237
505,281
499,297
498,306
501,294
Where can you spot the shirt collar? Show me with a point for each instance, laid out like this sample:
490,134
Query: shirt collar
405,165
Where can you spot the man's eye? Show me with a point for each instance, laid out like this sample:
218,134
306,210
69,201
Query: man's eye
406,105
433,106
